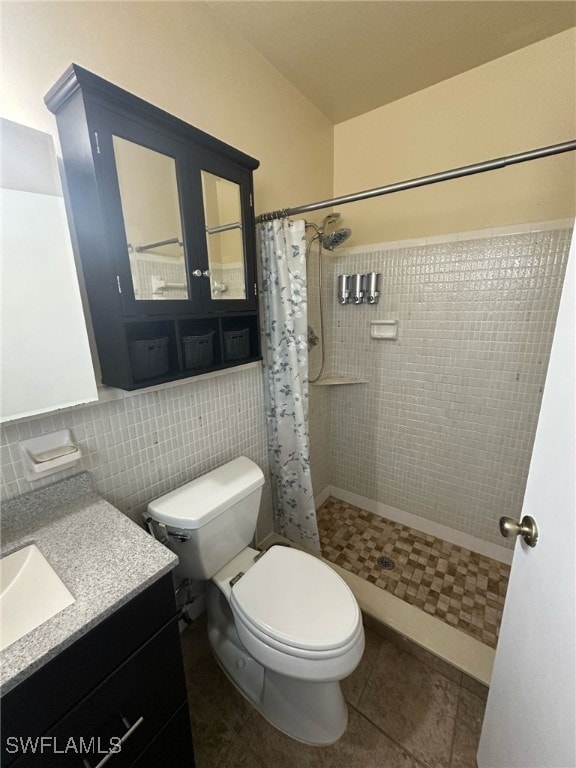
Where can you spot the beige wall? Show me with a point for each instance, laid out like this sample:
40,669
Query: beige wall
185,59
519,102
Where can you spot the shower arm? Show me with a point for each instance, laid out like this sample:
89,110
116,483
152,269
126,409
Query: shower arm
422,181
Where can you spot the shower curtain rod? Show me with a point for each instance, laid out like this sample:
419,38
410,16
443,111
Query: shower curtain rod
422,181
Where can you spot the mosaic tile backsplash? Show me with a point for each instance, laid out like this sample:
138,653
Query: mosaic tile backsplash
140,447
444,429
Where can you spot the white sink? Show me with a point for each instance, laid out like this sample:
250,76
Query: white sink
30,593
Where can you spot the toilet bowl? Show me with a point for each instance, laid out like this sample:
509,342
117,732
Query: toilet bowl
282,624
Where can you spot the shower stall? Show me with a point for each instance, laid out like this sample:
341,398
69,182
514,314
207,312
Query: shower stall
413,468
421,441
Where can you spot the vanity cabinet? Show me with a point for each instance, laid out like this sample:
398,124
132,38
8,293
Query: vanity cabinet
124,680
164,222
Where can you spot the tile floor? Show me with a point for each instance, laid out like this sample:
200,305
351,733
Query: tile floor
407,709
460,587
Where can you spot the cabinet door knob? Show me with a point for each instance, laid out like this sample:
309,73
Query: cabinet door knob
197,273
207,273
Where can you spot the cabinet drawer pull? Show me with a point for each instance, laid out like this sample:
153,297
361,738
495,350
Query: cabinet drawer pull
123,740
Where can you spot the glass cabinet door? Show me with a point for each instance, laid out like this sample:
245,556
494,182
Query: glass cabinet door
177,220
224,237
226,201
147,196
151,211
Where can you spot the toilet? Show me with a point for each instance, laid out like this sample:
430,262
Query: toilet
282,624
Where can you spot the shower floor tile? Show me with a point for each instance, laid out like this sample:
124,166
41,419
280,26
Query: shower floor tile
460,587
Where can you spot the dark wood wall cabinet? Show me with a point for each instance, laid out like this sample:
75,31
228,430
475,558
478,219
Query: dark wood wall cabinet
164,226
120,689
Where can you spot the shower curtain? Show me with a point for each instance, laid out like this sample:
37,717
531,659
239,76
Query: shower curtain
283,254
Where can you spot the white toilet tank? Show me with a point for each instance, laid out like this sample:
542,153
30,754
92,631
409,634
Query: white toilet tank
216,515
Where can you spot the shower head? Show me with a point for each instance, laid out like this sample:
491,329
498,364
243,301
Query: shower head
334,239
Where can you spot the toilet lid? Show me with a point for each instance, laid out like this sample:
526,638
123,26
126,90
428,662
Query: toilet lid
297,600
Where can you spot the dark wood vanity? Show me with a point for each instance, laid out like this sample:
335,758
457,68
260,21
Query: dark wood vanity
164,227
123,680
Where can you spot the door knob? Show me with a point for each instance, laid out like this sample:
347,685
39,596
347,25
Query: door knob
207,273
197,273
527,529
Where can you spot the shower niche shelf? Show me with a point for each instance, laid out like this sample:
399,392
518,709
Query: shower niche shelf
334,380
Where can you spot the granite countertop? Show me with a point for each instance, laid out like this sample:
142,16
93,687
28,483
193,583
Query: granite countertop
102,556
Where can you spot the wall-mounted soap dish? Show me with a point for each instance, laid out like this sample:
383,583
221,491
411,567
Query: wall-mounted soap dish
46,454
384,329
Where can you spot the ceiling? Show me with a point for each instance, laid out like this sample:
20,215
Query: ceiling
350,56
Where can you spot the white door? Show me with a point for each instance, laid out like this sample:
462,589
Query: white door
531,711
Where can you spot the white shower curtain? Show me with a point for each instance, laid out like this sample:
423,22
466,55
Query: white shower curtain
283,254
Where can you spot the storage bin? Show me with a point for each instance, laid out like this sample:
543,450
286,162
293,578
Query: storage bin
237,344
149,358
198,348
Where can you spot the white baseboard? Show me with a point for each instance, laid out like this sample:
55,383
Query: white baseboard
322,496
465,540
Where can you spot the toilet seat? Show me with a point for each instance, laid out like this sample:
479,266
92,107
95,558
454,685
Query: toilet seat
260,638
296,604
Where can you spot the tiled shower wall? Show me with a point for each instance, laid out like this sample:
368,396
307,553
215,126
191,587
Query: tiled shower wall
142,446
444,429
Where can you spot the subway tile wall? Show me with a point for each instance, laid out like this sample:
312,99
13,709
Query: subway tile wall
444,429
140,447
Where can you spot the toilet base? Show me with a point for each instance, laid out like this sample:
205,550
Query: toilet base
311,712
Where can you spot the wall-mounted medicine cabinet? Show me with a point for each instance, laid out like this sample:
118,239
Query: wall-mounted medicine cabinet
164,220
45,359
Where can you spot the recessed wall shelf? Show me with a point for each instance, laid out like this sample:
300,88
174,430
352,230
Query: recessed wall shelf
384,329
333,380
